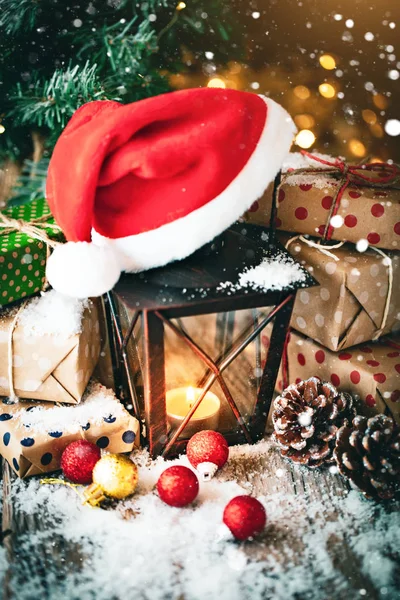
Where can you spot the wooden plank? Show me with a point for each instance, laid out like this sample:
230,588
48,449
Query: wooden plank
6,524
47,562
324,487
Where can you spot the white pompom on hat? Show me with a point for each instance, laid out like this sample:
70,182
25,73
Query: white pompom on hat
82,269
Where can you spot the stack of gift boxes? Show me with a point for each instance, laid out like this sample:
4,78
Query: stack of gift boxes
49,349
343,225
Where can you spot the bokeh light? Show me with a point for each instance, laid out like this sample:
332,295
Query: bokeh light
216,82
327,90
305,138
380,101
377,130
357,148
302,92
304,121
392,127
327,62
369,116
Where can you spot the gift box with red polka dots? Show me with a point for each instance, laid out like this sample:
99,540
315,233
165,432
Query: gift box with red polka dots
370,372
357,298
33,435
304,203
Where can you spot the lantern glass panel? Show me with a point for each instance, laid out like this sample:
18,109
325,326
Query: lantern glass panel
216,335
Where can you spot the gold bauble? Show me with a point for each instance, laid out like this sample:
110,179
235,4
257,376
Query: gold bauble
115,476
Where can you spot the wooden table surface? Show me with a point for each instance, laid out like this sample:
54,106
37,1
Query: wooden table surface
317,496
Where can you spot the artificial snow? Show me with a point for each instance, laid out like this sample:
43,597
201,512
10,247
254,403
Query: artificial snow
145,549
98,403
296,160
53,314
270,274
319,180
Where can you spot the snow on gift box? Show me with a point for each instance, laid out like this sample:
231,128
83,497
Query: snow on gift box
357,299
368,372
335,200
33,435
55,344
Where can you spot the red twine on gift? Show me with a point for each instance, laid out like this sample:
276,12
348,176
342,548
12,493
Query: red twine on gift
385,174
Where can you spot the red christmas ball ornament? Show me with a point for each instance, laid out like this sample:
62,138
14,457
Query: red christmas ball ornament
178,486
245,517
78,461
207,452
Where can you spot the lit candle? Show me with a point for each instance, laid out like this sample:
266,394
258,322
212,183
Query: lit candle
179,402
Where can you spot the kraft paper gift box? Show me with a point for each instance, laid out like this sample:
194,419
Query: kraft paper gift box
370,372
358,297
33,435
305,201
22,256
55,345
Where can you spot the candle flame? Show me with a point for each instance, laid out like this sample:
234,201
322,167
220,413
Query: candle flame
190,396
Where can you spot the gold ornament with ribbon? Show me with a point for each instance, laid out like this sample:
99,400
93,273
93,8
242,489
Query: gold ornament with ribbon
114,476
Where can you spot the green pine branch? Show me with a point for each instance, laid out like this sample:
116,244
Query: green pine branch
18,15
56,55
52,103
25,15
121,47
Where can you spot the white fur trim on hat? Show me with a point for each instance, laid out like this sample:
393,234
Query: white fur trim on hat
180,238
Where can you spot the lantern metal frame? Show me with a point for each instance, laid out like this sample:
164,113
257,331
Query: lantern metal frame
137,292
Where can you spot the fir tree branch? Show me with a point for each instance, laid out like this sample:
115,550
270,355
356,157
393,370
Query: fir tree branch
18,15
24,15
52,103
138,86
118,49
121,47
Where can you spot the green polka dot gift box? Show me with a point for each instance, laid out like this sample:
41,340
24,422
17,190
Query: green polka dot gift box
22,255
33,435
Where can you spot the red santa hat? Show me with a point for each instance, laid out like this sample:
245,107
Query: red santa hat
137,186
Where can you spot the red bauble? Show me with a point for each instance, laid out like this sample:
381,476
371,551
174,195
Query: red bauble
207,451
178,486
78,461
245,516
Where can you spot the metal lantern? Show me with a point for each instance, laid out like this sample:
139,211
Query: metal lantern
189,346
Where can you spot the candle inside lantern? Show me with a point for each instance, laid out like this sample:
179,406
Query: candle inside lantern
179,402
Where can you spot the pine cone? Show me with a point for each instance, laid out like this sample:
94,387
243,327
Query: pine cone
306,419
368,453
